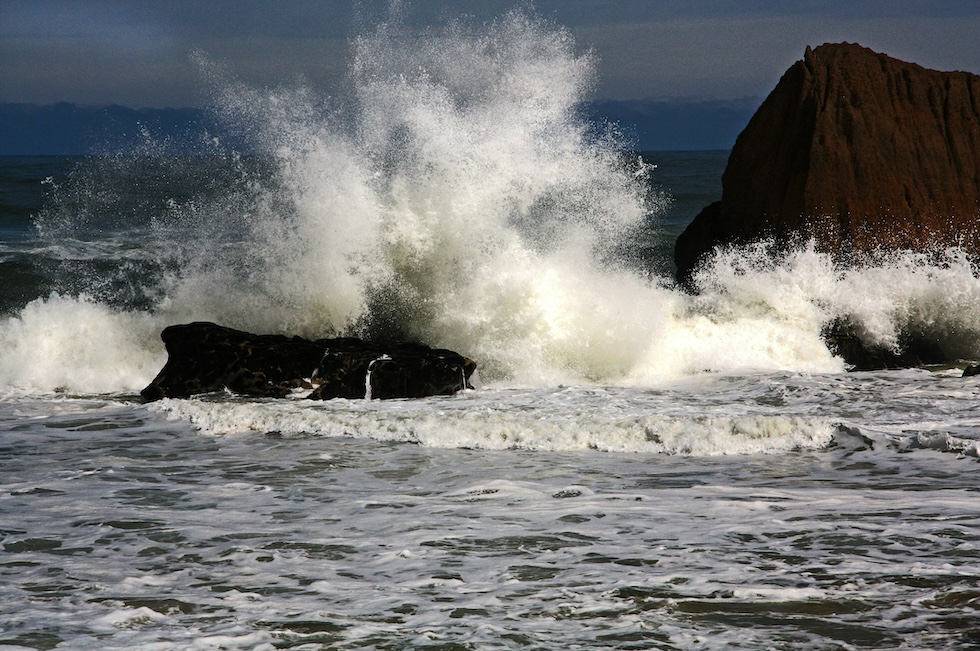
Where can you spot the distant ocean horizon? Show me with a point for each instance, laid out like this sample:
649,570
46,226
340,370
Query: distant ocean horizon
68,129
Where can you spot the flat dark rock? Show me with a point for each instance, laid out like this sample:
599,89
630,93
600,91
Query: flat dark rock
205,357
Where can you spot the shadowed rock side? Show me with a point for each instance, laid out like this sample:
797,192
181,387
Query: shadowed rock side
856,150
205,357
913,349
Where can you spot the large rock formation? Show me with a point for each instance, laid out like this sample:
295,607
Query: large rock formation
204,357
856,150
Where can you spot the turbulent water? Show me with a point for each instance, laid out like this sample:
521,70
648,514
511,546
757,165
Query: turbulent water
639,468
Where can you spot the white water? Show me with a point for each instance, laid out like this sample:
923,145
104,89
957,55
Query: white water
581,518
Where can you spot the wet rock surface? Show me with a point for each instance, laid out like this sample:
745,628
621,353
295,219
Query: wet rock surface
911,350
206,357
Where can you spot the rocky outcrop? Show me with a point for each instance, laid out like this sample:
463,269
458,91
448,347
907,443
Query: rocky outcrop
204,357
856,150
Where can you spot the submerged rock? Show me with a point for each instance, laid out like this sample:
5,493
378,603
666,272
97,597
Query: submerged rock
205,357
856,150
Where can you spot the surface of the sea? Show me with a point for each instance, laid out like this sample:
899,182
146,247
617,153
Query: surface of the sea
639,468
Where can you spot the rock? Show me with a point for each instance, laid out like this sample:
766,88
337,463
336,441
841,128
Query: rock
205,357
914,349
351,368
856,150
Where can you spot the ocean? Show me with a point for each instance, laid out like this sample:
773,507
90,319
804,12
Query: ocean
639,467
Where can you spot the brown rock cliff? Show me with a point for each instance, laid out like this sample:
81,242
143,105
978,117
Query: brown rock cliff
857,150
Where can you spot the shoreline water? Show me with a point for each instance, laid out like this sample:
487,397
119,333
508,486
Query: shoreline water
394,527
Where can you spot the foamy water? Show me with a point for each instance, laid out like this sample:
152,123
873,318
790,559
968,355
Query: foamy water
548,321
776,511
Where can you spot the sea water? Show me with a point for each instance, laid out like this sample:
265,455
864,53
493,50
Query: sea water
639,467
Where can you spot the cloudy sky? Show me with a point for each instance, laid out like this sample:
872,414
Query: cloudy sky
138,53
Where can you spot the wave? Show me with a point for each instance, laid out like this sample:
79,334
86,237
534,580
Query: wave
74,344
558,420
455,195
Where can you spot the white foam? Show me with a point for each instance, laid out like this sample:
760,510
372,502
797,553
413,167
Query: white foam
77,345
933,294
130,618
777,594
610,421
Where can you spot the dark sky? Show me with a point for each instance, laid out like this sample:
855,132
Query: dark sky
138,53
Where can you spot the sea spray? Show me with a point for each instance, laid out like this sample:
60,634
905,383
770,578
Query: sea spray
72,344
456,196
885,295
461,201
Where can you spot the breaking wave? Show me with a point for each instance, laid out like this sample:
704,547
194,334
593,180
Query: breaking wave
453,194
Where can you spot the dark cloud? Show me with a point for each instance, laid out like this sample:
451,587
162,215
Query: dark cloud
118,51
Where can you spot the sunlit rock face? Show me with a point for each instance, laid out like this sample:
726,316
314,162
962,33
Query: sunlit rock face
859,152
